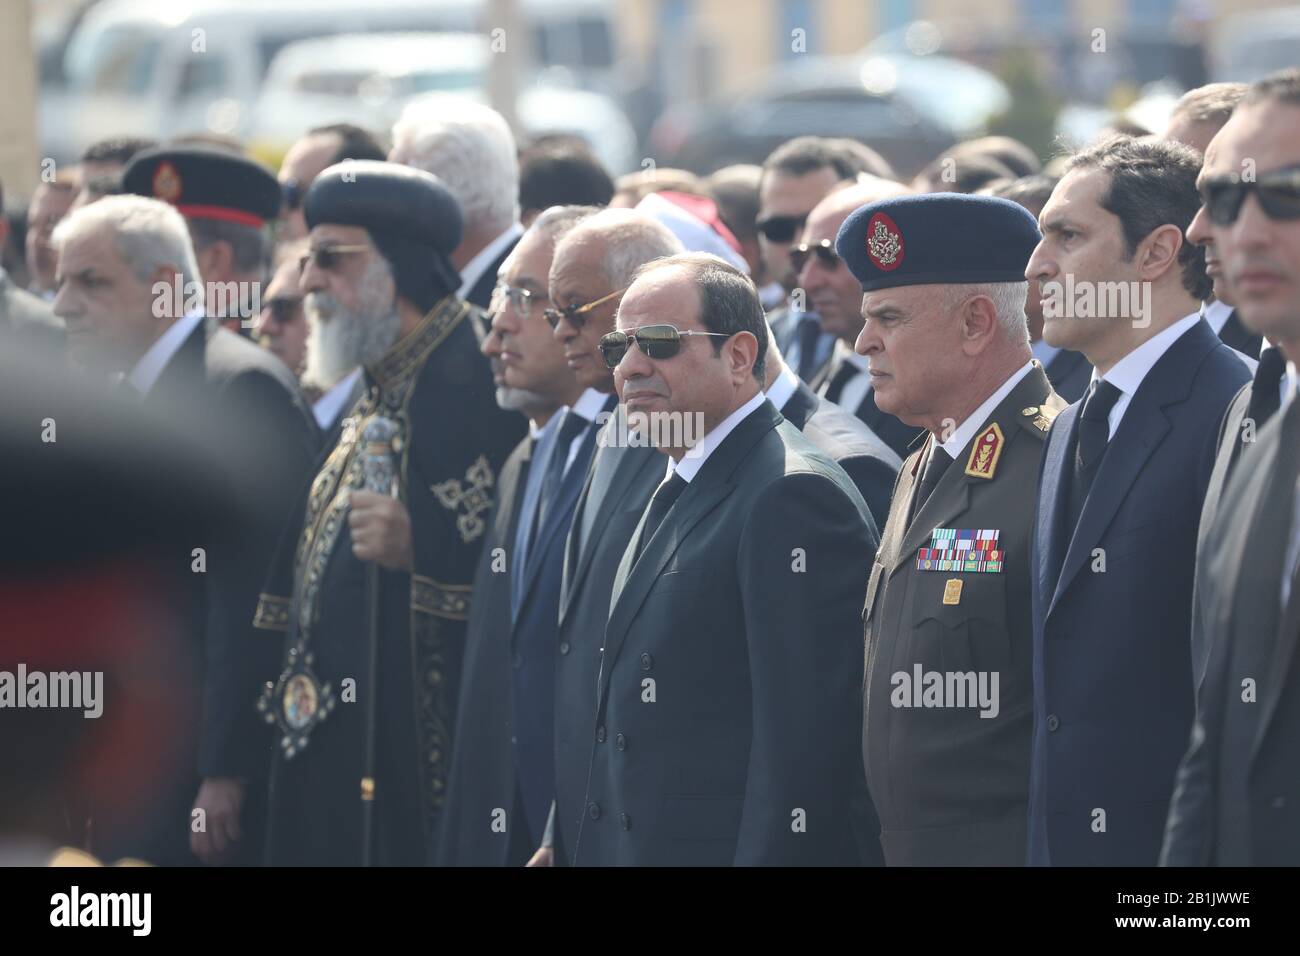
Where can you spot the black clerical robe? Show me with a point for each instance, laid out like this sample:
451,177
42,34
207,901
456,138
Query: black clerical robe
452,440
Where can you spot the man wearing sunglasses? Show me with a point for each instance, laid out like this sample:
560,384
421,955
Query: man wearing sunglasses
1119,498
796,176
504,754
311,155
835,297
381,293
728,686
1234,801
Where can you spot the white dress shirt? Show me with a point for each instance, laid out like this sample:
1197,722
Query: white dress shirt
484,258
144,376
786,384
1291,382
330,405
691,464
965,432
1129,372
589,405
855,389
1216,313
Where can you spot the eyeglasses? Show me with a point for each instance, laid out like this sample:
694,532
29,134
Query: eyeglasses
656,341
781,228
282,310
575,315
824,250
520,299
293,193
327,257
1278,193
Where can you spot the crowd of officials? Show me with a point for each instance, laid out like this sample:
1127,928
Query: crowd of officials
440,502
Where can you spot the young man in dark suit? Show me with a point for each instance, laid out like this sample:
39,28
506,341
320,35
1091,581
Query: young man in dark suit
1119,497
728,688
1234,803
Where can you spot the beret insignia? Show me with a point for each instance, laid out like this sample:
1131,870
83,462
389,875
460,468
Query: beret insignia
884,242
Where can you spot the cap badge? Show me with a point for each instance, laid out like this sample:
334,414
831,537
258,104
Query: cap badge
167,183
884,242
986,451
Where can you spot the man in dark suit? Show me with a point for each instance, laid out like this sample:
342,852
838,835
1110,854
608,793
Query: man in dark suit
1233,803
470,148
947,605
729,667
502,778
1119,496
113,256
835,295
24,318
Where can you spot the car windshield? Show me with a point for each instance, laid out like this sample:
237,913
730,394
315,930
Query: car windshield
372,84
119,59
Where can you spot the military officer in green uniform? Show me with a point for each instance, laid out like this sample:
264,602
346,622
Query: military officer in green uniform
948,684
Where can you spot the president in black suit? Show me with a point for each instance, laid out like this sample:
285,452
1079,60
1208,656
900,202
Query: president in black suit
1119,497
502,777
1234,802
729,677
112,255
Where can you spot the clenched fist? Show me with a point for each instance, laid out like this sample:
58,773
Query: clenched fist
381,530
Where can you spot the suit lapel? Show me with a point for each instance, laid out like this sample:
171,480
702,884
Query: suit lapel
184,372
949,499
1050,521
709,487
514,481
799,407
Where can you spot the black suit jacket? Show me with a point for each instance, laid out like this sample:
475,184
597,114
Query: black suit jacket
1234,801
898,436
619,484
481,292
1235,335
1069,372
1112,665
731,671
866,459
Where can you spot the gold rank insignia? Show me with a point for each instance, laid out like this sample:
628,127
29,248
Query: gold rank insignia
952,591
1042,417
986,451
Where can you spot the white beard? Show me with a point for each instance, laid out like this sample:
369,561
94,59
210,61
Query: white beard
339,339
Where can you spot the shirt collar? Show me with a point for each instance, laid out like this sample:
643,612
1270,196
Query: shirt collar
965,432
1216,313
786,384
475,268
843,352
590,404
695,458
1128,373
144,376
329,405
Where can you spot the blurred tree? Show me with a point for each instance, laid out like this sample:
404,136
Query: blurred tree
1031,118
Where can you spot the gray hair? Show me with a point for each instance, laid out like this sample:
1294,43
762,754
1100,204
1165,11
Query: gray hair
1008,299
149,234
471,149
631,239
248,244
556,222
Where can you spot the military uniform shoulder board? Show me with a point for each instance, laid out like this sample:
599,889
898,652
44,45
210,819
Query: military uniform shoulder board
985,452
1041,416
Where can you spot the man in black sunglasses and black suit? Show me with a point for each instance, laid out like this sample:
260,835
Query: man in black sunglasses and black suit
728,690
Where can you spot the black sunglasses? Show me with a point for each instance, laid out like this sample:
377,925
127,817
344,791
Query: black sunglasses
656,341
283,310
575,315
293,193
1278,193
824,250
781,228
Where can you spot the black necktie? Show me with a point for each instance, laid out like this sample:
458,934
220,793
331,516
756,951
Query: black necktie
1094,436
571,426
935,466
1266,390
660,503
846,372
810,332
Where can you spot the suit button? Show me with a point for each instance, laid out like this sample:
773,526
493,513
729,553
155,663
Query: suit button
600,734
1279,803
620,742
647,662
564,647
593,811
518,661
1053,722
625,820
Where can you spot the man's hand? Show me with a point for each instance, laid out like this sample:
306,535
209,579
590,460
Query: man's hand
545,856
221,799
381,530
